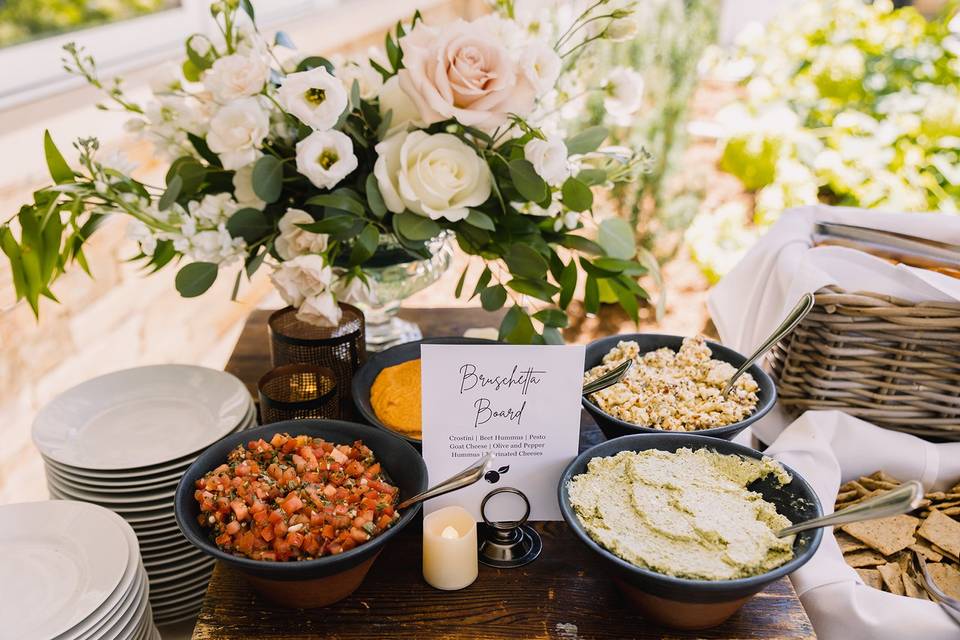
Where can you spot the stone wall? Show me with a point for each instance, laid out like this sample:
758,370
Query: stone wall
119,318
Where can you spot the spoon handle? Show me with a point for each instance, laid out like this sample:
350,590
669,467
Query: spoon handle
904,498
796,315
465,478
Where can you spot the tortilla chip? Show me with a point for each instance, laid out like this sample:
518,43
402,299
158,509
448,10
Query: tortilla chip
923,548
865,558
871,578
945,577
941,530
848,543
892,577
886,535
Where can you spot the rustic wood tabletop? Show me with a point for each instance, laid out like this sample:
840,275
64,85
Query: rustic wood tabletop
564,595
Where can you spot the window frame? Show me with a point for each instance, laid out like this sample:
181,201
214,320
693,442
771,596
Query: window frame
33,70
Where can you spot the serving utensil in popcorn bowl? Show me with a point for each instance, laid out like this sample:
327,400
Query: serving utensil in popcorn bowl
903,499
795,317
608,379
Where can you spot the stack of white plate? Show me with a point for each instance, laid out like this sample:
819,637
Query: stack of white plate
123,440
71,571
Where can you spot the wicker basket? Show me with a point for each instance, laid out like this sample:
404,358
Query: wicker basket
889,361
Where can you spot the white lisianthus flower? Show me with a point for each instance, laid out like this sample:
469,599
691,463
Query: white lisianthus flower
437,176
622,29
236,76
315,97
541,65
294,241
623,93
236,132
302,277
321,310
326,158
243,188
367,78
549,159
404,113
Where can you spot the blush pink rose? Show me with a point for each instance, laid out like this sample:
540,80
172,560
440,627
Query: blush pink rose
465,72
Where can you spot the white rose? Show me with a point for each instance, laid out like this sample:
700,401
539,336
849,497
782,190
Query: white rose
541,66
236,76
294,241
352,290
464,71
622,29
243,188
367,78
315,97
236,132
321,310
437,175
623,93
404,113
301,278
326,158
549,159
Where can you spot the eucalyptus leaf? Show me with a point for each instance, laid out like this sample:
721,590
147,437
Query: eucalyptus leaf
492,298
581,244
480,220
552,335
247,6
249,224
586,141
171,194
365,245
482,281
339,201
414,227
331,223
527,181
591,295
552,317
312,62
268,178
617,238
195,278
516,327
538,289
575,195
463,277
616,265
568,283
524,261
374,197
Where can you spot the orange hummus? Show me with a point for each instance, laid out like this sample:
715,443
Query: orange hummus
395,397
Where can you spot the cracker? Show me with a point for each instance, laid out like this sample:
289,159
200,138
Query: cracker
864,558
873,484
871,578
886,535
944,576
848,543
892,577
923,548
941,530
944,553
913,589
843,496
951,511
886,477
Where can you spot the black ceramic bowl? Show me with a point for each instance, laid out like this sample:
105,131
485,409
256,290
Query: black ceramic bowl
307,583
681,602
363,379
614,427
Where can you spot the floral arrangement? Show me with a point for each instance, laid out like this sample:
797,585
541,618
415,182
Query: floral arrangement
844,102
309,166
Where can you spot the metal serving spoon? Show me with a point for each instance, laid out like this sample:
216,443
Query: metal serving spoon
949,604
904,498
608,379
796,315
465,478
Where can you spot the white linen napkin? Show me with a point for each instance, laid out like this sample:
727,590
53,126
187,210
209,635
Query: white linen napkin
750,301
828,448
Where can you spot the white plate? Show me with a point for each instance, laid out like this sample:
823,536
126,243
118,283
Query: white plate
142,476
59,562
140,417
143,501
186,575
177,548
85,484
126,608
124,627
165,566
197,583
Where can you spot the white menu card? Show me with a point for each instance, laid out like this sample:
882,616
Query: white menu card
522,403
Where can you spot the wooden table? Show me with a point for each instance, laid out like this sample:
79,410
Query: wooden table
564,595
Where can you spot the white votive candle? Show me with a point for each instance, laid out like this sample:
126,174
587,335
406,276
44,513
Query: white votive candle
449,548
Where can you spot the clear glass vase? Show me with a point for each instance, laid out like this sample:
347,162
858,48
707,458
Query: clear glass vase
393,277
